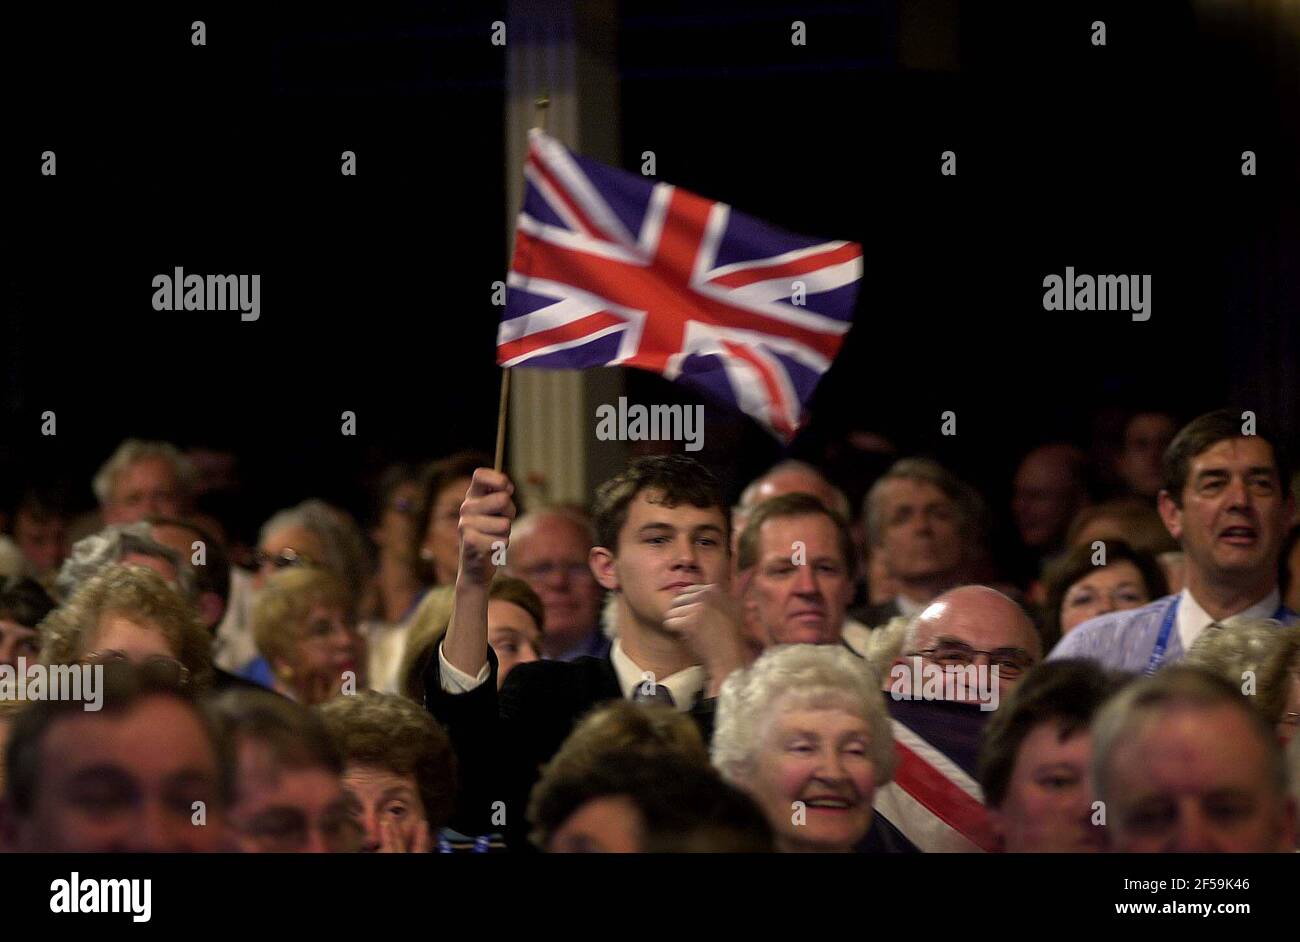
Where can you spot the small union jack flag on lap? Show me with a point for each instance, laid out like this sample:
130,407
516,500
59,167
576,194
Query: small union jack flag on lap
611,269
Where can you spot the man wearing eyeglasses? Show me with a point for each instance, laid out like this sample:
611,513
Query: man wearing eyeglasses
972,626
935,802
549,550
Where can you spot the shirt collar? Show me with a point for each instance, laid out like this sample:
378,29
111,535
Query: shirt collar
685,685
1193,619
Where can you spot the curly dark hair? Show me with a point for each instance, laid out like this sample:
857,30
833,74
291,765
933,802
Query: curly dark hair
679,479
392,733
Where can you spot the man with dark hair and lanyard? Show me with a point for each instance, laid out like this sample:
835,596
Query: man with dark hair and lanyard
1227,500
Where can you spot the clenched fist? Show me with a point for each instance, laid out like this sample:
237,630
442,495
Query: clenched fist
485,518
708,619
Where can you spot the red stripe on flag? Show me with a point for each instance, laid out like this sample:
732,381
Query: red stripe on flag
573,330
776,414
749,276
943,799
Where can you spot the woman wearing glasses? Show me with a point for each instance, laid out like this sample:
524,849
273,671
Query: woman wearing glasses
304,623
130,613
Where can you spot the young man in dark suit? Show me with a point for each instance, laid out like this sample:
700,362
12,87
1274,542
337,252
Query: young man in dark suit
662,550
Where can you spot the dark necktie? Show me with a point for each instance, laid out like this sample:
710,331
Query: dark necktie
645,693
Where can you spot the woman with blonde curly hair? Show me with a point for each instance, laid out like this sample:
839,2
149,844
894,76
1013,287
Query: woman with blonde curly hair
305,625
130,613
1261,658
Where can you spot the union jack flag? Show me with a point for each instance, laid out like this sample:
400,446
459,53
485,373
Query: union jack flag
612,269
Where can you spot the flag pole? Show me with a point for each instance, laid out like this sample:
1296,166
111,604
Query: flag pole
542,103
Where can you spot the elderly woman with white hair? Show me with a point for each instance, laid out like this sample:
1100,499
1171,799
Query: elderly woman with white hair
804,731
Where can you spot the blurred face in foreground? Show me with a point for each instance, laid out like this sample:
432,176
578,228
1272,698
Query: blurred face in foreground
1048,804
607,825
1196,779
279,809
126,781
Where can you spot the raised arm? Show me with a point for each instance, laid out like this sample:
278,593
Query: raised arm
485,518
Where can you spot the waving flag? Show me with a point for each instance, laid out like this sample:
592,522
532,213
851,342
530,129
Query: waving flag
612,269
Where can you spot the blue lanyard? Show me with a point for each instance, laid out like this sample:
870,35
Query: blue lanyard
1167,626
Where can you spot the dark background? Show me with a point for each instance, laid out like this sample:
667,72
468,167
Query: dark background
376,289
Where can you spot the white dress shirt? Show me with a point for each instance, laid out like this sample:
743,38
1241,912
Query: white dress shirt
686,685
1192,619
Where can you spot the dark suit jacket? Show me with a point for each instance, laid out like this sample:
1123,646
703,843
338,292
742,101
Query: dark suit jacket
502,740
873,616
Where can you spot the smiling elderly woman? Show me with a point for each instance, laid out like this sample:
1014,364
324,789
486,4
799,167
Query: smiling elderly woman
804,731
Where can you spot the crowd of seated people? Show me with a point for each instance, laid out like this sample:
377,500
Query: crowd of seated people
662,671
